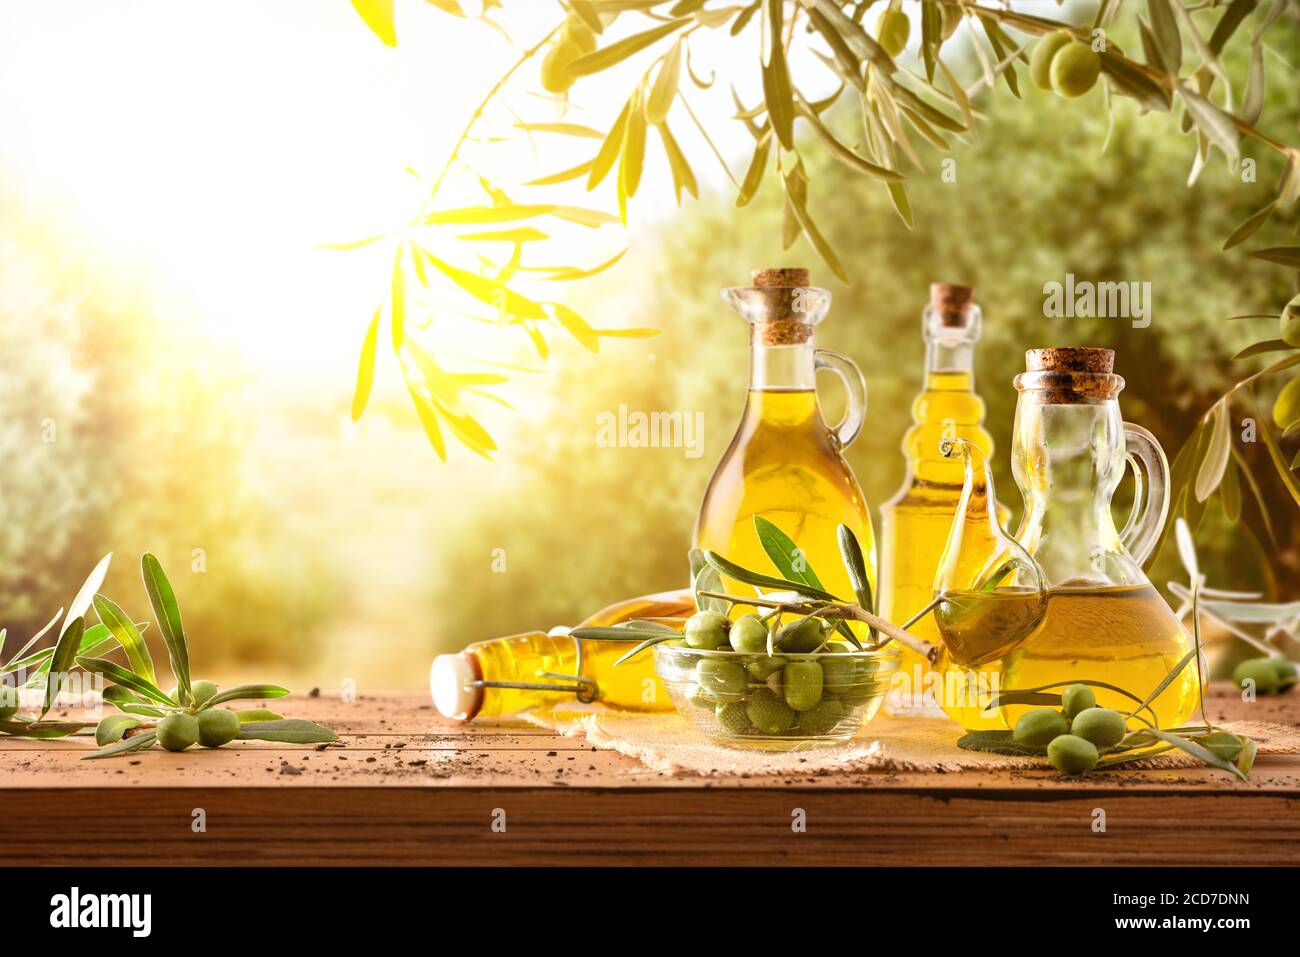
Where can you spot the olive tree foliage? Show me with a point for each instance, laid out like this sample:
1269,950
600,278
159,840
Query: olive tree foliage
1175,69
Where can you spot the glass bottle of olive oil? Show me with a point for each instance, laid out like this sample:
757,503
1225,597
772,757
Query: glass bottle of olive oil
914,524
539,670
784,462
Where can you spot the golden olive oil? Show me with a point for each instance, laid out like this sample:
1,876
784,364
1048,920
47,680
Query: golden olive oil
543,658
915,523
1124,635
783,465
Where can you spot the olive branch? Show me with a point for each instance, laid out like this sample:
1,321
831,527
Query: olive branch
184,716
1182,47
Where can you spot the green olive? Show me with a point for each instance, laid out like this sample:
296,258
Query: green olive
1290,322
1037,728
769,713
1222,743
720,679
801,684
821,718
892,31
1072,754
1077,698
217,726
201,691
555,66
1287,673
1040,63
733,716
748,634
176,732
699,697
1102,726
1075,69
801,637
1261,671
707,630
1286,408
840,674
764,667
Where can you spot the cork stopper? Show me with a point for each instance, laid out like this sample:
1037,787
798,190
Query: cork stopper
788,305
1078,375
951,301
1076,359
777,277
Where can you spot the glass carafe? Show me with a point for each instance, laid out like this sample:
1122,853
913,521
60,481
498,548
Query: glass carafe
784,462
915,523
1103,620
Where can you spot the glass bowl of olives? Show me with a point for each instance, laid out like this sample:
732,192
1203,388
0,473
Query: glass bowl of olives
736,694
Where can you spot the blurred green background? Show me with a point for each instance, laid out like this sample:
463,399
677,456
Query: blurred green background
306,550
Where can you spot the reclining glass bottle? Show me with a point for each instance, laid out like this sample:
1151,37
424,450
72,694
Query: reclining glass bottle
914,524
785,463
540,669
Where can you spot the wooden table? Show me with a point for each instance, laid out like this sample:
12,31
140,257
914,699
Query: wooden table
404,786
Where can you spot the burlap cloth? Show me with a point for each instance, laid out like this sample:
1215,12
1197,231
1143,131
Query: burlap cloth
666,743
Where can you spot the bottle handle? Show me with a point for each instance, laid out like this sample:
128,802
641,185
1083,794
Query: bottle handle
855,388
1150,495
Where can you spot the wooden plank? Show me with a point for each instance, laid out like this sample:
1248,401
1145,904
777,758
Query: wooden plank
640,826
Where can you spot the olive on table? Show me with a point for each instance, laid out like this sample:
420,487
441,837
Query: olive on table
1077,698
1102,726
1039,727
176,732
1072,754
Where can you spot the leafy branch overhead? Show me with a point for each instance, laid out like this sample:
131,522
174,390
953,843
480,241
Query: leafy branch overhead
858,50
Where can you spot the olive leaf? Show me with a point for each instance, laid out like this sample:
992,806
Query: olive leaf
683,176
998,742
61,661
122,698
127,679
1213,122
731,570
14,663
795,189
757,166
1282,255
1017,696
113,727
123,629
366,368
778,93
618,52
611,148
1216,456
1263,348
287,730
242,692
784,553
378,15
137,742
642,646
45,730
664,90
1199,751
249,715
168,614
856,566
563,176
705,577
1230,492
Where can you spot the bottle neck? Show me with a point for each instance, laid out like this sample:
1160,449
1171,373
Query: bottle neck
948,362
785,368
